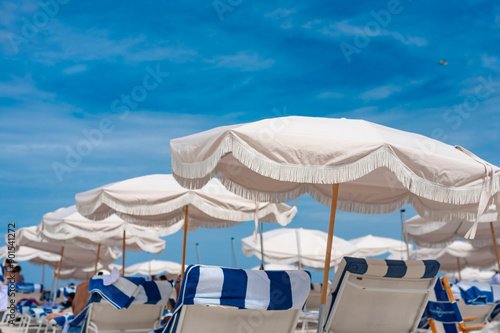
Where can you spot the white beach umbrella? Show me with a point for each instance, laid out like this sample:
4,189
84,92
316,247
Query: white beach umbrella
472,274
379,168
66,225
276,267
304,246
429,233
71,254
458,255
159,201
33,256
154,267
370,246
74,255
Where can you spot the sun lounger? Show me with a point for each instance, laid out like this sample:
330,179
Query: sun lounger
129,304
215,299
310,313
445,313
370,295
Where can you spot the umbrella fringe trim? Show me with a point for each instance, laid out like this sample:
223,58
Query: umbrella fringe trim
267,211
196,174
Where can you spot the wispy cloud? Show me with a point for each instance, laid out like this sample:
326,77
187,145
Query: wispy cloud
329,94
246,61
281,13
380,92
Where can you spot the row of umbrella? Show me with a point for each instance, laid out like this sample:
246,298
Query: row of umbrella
354,165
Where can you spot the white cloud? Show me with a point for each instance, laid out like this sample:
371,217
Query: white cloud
246,61
490,62
380,92
329,94
309,25
287,24
23,89
281,13
75,69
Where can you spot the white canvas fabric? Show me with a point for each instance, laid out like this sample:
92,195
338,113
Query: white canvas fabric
469,256
34,256
379,168
74,256
158,200
66,225
472,274
153,267
370,246
281,247
84,273
430,233
275,267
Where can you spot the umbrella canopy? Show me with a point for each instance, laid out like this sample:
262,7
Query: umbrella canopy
84,273
67,226
430,233
472,274
74,256
458,255
370,246
158,200
276,267
34,256
154,267
380,168
290,246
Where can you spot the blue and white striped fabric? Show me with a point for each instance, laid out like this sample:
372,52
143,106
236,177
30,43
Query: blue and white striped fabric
29,287
126,290
444,311
242,288
121,294
64,320
475,293
65,291
25,305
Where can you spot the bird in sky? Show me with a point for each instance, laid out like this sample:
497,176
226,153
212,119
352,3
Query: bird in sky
443,62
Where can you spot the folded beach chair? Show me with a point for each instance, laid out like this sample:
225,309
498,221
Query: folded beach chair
129,304
224,300
371,295
444,312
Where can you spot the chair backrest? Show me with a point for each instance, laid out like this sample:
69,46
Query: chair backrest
215,299
372,295
103,317
451,316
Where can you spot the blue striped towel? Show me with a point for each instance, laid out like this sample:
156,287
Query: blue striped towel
241,288
29,287
122,293
65,291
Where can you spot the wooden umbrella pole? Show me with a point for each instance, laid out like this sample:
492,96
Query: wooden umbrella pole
328,255
459,269
97,257
123,254
495,244
186,211
58,275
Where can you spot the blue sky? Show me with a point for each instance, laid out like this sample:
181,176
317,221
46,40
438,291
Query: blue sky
143,73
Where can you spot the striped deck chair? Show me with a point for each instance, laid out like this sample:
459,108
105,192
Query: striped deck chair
444,312
129,304
372,295
215,299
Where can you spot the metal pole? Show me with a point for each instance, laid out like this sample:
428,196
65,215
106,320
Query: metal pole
97,257
198,252
405,231
186,211
58,275
234,253
299,252
495,244
123,254
261,247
